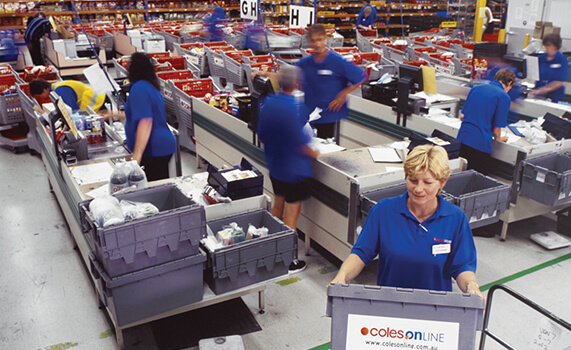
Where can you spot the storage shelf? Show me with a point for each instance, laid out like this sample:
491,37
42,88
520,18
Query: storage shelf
180,10
27,14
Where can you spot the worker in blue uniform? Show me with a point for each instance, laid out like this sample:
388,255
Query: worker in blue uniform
75,94
286,151
325,82
38,27
422,240
553,70
483,115
215,23
367,16
148,135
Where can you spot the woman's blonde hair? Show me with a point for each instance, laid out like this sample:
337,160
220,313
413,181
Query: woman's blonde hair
428,157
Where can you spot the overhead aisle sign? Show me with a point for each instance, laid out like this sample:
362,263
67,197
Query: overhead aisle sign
300,16
249,9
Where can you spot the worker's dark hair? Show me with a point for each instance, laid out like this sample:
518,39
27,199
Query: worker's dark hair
553,39
38,86
316,29
505,76
141,68
40,14
367,1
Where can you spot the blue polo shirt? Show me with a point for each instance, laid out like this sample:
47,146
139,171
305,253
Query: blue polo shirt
367,21
486,108
280,129
405,249
145,101
555,70
322,81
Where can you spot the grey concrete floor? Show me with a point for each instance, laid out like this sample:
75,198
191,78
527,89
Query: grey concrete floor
47,301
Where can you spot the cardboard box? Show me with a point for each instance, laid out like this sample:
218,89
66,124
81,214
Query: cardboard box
64,33
539,30
551,30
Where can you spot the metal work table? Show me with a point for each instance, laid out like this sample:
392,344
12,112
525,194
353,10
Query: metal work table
69,194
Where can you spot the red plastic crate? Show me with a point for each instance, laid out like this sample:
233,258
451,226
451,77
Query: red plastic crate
284,31
195,87
260,58
175,75
417,63
370,56
158,55
300,31
265,67
215,44
443,43
5,70
177,62
368,32
345,50
6,81
426,49
237,55
224,48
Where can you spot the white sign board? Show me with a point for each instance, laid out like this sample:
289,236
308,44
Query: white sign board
249,9
300,16
387,333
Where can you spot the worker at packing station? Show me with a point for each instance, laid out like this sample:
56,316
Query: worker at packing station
325,82
553,70
483,115
36,28
367,16
214,24
280,128
325,79
148,136
75,94
422,240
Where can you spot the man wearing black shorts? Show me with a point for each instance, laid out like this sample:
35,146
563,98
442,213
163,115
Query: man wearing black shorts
287,155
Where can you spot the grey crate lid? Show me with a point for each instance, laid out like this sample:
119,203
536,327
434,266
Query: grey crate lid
403,295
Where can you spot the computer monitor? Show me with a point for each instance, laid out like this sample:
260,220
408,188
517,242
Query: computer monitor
414,74
519,63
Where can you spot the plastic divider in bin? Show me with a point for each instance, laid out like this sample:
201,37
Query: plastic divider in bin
177,62
452,148
152,291
369,199
482,198
354,308
547,179
252,261
120,71
236,189
173,233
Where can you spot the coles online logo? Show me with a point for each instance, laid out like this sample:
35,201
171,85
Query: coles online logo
401,334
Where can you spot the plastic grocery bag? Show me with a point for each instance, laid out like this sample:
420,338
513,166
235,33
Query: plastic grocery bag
106,211
135,210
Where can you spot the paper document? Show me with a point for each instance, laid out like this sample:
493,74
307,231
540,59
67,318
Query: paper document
98,80
98,192
385,155
92,173
315,114
532,67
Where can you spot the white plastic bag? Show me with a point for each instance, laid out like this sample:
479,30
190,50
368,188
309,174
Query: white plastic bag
135,210
254,232
106,211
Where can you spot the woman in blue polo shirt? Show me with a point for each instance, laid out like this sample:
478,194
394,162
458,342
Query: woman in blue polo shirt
148,135
326,78
553,70
422,240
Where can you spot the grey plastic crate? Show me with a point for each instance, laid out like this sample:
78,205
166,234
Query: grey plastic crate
174,233
482,198
11,109
252,261
547,179
369,199
357,310
139,295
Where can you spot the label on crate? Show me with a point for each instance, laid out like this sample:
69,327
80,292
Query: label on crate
193,59
557,146
377,332
443,69
540,177
185,105
219,61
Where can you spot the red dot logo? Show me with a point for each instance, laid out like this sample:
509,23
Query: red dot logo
364,331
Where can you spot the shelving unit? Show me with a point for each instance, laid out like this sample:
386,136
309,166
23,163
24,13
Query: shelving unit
463,12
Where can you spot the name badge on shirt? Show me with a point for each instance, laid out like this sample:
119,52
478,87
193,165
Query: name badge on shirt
324,72
556,65
441,249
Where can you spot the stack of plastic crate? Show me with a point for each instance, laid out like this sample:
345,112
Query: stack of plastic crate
233,61
150,265
195,52
165,87
217,63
